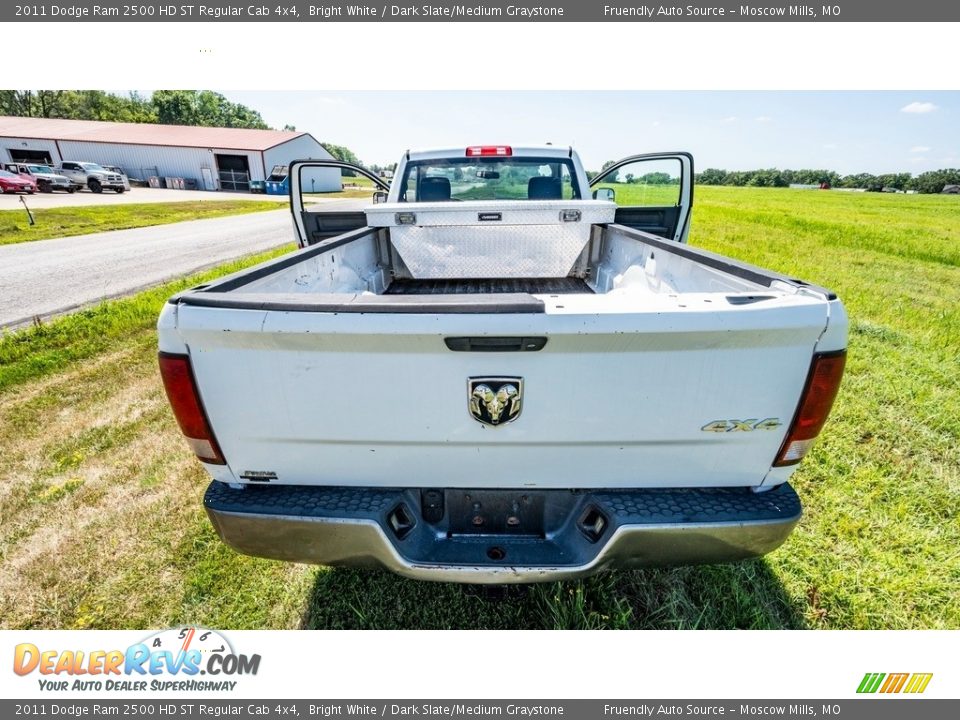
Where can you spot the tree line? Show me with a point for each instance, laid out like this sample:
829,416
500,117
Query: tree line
928,182
167,107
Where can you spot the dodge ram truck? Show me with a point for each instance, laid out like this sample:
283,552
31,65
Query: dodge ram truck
503,372
91,176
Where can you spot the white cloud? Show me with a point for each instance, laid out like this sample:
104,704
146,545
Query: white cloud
764,119
732,118
919,149
830,146
655,123
919,107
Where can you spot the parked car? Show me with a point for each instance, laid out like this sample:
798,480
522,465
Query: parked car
43,176
14,183
91,176
119,171
495,375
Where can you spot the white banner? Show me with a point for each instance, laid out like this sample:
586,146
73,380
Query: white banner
185,662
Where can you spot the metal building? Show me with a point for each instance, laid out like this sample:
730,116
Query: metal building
216,158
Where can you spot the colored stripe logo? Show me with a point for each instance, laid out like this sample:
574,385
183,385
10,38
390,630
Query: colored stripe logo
913,683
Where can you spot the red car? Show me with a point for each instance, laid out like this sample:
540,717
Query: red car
10,183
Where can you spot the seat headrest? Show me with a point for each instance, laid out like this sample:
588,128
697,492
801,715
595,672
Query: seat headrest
544,188
434,188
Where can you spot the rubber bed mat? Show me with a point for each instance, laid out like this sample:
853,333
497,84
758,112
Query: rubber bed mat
485,286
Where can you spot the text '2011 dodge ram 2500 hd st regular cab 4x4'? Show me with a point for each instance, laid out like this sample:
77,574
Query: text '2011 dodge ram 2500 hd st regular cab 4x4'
501,372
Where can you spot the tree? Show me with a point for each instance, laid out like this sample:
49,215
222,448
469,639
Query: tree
343,154
170,107
76,105
933,181
203,107
658,178
711,176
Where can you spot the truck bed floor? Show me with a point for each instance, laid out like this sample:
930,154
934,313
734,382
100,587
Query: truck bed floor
544,286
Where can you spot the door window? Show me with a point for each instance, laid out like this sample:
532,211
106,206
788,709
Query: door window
644,183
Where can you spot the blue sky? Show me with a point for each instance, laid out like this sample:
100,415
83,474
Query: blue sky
848,132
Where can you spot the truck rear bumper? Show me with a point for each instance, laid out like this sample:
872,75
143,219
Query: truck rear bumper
497,537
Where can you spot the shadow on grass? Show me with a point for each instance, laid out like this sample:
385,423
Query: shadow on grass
742,595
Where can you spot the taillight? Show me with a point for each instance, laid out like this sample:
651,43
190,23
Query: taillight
185,400
489,151
823,382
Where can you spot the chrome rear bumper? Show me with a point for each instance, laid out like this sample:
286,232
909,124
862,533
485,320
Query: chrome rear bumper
640,528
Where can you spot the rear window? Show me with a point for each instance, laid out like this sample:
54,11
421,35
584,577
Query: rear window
476,178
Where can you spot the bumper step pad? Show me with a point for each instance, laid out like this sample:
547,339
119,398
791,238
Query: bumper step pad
570,534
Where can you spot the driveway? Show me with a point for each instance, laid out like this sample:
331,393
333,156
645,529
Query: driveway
136,195
49,277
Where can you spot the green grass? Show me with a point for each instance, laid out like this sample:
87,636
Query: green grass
69,221
639,194
103,526
352,187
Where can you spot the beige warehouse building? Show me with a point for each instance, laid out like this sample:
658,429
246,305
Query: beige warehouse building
215,158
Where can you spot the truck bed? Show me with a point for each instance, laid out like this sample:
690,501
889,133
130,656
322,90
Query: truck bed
616,269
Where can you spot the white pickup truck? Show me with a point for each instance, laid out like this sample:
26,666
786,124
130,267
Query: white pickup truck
503,372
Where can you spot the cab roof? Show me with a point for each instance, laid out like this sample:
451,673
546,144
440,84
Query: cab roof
548,151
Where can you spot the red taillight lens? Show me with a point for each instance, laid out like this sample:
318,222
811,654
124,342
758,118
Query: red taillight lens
489,151
823,382
182,392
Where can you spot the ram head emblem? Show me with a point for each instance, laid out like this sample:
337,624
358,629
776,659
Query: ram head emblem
495,400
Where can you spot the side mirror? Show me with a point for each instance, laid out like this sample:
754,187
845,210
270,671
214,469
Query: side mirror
604,194
379,196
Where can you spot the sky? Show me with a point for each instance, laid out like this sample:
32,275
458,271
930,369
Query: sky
849,132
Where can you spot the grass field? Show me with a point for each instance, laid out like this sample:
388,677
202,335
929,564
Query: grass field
101,523
353,187
69,221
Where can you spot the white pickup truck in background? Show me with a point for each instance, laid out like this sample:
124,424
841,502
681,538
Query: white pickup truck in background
503,372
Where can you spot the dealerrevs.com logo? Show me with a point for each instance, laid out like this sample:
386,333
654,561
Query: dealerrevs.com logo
172,659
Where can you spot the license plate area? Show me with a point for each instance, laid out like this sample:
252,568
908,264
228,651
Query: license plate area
491,512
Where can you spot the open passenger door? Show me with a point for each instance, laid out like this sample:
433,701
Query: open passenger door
312,179
653,192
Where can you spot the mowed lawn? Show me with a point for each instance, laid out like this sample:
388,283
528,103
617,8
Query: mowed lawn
49,223
101,521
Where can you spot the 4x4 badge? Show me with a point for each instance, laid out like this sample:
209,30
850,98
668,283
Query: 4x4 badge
742,425
495,400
